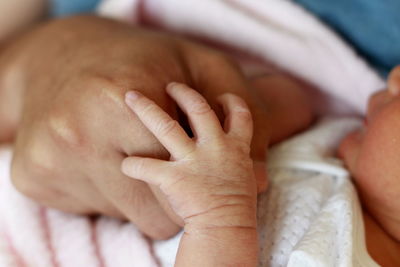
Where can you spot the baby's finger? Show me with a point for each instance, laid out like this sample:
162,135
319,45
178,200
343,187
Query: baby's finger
151,171
165,129
202,118
238,120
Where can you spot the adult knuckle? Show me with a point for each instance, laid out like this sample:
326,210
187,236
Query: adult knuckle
65,131
106,91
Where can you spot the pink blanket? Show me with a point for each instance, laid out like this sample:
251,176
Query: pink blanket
31,235
275,31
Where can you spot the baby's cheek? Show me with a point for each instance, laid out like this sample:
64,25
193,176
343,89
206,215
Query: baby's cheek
378,167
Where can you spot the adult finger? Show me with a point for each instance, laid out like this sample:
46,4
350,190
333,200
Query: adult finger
135,200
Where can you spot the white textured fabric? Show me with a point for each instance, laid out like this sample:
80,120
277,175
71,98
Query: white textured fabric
311,215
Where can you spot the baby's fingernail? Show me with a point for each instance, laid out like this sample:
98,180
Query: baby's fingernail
132,96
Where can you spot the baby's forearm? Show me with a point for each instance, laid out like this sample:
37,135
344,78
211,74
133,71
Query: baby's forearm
219,247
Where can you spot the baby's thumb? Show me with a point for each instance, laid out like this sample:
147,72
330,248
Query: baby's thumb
260,173
349,149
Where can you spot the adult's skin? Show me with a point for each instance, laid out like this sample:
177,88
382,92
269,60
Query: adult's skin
63,86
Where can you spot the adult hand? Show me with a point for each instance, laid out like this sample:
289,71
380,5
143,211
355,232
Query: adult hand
75,128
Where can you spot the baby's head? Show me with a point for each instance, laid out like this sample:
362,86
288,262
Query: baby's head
373,155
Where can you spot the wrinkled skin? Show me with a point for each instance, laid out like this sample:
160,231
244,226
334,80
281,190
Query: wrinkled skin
63,87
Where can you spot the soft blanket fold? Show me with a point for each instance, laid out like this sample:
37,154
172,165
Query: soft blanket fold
276,31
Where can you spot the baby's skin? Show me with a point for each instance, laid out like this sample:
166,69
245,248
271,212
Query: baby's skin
209,179
372,156
210,184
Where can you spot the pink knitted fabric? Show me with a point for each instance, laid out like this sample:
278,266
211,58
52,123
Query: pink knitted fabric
31,235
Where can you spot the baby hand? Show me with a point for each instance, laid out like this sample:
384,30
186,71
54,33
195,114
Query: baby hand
209,180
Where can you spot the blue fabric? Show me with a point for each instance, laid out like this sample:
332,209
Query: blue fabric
371,26
69,7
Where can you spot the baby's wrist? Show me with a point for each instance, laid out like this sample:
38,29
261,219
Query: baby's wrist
230,217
